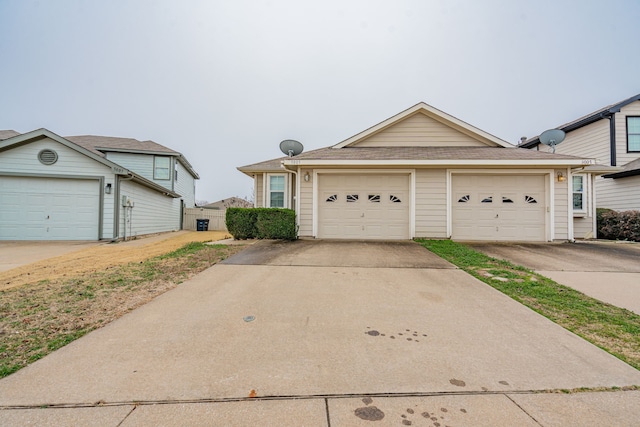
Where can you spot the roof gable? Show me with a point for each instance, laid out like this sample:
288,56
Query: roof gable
423,126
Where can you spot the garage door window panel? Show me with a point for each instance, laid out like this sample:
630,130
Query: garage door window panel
374,198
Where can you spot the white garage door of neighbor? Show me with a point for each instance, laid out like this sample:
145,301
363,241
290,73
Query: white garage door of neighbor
367,206
498,207
48,208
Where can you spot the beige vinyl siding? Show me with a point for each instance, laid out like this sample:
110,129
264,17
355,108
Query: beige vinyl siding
622,156
561,213
305,215
259,189
622,194
583,227
420,130
591,141
431,203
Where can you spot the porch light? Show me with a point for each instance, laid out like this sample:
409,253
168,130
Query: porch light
107,189
560,176
307,177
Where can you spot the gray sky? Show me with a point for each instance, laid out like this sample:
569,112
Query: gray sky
223,82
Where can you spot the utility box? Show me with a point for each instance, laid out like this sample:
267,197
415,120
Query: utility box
202,224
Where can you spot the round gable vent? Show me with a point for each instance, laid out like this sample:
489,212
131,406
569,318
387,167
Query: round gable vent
47,157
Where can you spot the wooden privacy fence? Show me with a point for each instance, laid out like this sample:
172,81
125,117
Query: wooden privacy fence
216,218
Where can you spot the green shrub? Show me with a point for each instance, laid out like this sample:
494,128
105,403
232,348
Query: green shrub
261,223
276,224
241,222
615,225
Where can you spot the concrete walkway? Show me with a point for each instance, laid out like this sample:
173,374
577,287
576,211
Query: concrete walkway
385,340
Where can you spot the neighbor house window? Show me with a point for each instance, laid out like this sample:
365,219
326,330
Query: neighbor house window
633,134
161,167
276,191
578,193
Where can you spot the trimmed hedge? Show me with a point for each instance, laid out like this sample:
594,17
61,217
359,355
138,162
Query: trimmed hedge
615,225
261,223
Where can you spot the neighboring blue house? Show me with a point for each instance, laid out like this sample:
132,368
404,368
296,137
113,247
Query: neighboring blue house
90,187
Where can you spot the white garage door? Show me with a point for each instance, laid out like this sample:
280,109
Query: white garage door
364,206
498,207
48,209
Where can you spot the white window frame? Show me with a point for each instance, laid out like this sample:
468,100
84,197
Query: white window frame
583,208
156,168
267,188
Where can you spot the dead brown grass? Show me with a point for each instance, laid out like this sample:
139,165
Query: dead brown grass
38,318
106,255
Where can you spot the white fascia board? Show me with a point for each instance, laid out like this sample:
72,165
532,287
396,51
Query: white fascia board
357,163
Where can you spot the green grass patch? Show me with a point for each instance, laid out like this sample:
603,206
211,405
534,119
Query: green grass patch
39,318
615,330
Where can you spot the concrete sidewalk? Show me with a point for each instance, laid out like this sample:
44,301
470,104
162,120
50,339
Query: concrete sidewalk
325,345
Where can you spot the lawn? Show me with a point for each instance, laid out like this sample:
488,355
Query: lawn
38,318
615,330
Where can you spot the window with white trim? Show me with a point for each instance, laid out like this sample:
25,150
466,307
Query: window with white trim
276,191
578,192
633,134
161,167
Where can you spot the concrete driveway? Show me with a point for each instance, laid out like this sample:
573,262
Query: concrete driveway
608,271
18,253
325,333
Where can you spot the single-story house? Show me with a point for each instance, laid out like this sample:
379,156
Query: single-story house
423,173
611,135
90,187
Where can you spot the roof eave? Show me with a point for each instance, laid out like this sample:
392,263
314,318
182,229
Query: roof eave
448,162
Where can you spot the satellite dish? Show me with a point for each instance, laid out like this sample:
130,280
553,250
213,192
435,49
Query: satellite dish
552,137
291,147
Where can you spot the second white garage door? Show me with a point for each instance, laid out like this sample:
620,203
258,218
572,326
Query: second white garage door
367,206
48,208
498,207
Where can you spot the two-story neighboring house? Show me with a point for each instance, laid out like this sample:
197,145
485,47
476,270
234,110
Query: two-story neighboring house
611,135
90,187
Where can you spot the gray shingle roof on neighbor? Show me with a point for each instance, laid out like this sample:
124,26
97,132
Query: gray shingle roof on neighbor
630,169
6,134
411,153
95,143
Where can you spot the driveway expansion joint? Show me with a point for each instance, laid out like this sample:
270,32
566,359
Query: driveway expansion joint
325,397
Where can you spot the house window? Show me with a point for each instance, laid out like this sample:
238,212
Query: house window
161,167
633,134
578,193
276,191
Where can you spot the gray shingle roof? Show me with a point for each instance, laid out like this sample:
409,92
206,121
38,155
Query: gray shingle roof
94,143
6,134
410,154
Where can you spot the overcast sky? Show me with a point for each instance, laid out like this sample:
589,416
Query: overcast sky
223,82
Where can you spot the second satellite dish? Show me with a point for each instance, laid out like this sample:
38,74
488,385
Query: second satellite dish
291,147
552,137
